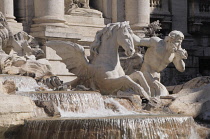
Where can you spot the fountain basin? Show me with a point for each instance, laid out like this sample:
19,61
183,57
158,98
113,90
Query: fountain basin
110,127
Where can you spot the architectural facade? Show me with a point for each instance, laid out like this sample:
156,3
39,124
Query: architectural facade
78,21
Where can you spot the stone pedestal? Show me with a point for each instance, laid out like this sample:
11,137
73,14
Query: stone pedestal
85,26
138,13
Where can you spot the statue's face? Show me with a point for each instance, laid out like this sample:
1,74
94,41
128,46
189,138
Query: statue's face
176,41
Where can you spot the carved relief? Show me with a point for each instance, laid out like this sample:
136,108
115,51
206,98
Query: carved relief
80,8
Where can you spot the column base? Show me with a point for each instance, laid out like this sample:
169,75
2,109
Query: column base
62,25
138,29
140,33
10,18
138,26
49,21
47,31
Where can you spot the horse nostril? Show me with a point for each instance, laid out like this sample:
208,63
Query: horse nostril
132,50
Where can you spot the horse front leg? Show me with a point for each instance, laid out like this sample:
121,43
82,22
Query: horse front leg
124,83
139,78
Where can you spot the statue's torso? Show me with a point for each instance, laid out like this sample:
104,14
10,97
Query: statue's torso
157,57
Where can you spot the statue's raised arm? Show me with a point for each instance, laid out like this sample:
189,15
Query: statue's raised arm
141,41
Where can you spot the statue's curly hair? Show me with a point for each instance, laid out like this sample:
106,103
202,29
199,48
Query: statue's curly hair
173,34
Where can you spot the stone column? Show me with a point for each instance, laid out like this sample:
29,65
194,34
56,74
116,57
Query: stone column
179,12
7,8
118,10
138,13
49,12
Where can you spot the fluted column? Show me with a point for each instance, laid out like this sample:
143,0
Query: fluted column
49,12
138,13
7,8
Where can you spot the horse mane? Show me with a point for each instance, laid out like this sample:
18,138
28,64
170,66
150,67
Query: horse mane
106,31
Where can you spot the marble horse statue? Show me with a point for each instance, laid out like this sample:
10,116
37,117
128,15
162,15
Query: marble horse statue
102,71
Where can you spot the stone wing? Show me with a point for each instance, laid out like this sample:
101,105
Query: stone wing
72,55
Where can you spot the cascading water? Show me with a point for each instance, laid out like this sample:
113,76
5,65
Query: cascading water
84,115
120,127
23,83
79,104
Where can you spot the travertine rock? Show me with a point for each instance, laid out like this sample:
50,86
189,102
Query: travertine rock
9,87
49,107
13,111
194,83
203,131
194,102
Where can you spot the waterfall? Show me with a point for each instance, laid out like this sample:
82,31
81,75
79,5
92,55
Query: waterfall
23,83
79,103
115,127
69,101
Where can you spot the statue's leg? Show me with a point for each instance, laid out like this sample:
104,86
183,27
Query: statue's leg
156,88
139,78
123,83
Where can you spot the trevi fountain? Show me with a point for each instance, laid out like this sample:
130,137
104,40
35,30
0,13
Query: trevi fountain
104,95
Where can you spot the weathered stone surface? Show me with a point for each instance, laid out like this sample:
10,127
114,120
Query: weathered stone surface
194,83
9,87
203,131
13,111
194,102
85,26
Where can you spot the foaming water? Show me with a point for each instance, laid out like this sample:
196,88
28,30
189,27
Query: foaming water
80,104
116,127
23,83
102,112
84,116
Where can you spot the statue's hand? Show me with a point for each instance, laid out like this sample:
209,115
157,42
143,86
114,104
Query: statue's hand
53,82
181,53
19,38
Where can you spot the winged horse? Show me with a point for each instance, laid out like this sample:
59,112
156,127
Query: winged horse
102,71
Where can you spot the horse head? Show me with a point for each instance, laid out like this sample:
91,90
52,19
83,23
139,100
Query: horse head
113,35
124,38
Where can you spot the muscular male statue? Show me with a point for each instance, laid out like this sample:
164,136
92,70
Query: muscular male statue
157,57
